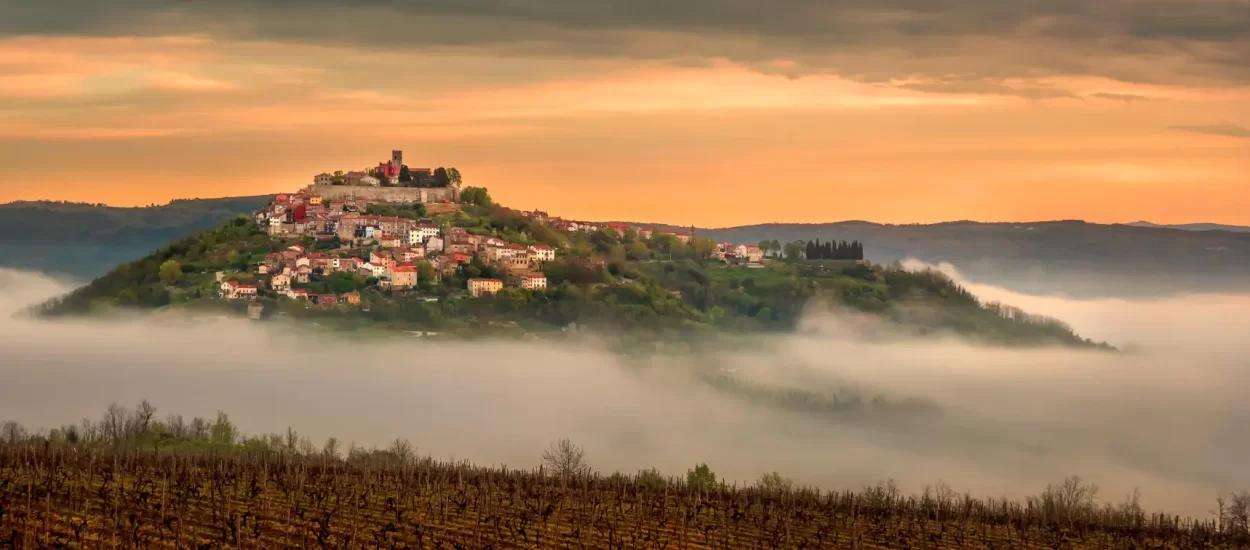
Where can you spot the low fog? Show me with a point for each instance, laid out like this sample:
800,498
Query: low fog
1167,415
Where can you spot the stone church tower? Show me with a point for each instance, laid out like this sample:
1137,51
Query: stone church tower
397,158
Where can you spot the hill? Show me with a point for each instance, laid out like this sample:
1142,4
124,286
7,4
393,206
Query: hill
1070,257
1196,226
86,240
614,282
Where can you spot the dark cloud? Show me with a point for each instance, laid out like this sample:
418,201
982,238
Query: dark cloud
1187,41
1224,129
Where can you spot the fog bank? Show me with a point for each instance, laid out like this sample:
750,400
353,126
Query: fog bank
1168,416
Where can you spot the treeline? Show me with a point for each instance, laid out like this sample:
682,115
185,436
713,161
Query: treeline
831,250
37,472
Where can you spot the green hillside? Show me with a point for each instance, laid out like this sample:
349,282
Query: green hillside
87,240
599,281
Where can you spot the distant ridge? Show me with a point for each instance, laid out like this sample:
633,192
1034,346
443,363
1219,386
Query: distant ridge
84,240
1194,226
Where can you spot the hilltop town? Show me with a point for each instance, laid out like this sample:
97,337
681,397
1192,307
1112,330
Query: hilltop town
423,253
332,229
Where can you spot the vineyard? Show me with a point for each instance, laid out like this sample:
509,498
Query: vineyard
55,496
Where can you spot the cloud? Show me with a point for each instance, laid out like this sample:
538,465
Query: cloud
1141,40
1227,129
991,421
1127,98
1027,90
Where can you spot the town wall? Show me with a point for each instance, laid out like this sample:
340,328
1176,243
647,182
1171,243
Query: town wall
385,194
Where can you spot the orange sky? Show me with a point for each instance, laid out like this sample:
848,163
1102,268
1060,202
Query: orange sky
725,133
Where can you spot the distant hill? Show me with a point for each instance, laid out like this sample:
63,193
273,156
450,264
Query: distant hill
85,240
670,291
1070,257
1196,226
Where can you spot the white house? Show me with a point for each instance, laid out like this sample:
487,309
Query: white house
749,251
370,180
421,233
542,252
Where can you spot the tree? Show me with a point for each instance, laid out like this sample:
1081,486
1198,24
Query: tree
426,276
701,477
774,483
404,175
639,251
331,448
170,272
453,175
475,195
765,246
794,250
222,431
566,459
775,246
403,450
441,179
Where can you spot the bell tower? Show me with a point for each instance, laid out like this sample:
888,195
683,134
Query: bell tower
397,158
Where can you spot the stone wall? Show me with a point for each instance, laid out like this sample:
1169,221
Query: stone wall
385,194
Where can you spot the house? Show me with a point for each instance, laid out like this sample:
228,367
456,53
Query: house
370,180
314,200
352,298
389,169
750,252
542,253
383,258
478,287
280,282
323,179
403,276
433,244
412,254
233,290
682,236
646,232
528,281
297,249
391,241
297,294
421,233
304,261
619,228
262,269
327,300
377,270
516,264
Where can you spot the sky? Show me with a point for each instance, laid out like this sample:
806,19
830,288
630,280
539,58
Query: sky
705,112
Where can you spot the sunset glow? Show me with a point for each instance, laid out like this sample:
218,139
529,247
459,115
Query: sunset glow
891,115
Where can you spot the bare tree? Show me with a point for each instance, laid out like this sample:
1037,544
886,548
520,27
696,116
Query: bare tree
144,413
403,450
113,425
176,425
1234,513
775,483
198,429
291,443
306,447
331,448
12,432
566,459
